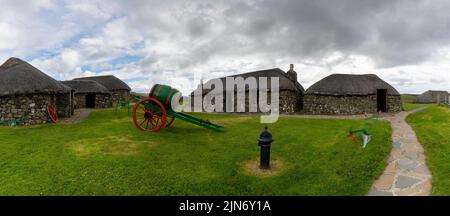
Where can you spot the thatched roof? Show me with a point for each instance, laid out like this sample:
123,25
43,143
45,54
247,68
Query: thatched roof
109,81
86,86
433,97
350,84
284,81
17,77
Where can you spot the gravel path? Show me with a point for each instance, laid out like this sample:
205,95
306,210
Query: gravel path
79,116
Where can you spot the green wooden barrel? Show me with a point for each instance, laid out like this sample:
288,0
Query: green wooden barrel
164,94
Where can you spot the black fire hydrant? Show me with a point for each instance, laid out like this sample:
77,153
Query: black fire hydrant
265,139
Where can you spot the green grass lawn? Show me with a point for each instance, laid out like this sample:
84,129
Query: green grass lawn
408,98
408,104
107,155
411,106
432,127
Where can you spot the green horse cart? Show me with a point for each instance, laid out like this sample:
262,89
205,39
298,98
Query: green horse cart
154,112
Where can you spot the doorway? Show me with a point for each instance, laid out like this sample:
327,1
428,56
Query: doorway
90,101
382,100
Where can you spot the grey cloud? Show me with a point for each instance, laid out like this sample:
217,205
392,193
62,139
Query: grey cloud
390,32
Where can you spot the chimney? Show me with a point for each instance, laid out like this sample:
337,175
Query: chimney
291,74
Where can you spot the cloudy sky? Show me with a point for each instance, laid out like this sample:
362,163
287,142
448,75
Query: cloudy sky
407,43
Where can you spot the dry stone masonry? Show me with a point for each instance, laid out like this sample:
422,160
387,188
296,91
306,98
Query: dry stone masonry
120,95
347,105
27,110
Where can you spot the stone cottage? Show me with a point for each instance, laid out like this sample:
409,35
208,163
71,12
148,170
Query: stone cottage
119,89
89,94
351,94
433,97
26,92
290,92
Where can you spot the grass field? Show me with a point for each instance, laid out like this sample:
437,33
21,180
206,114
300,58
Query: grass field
408,105
107,155
408,98
411,106
433,129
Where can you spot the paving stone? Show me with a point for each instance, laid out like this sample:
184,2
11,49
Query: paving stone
384,182
408,192
391,168
376,192
424,187
396,154
397,145
405,181
422,169
423,194
407,164
411,155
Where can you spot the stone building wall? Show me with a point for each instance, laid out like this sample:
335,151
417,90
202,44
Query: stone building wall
347,105
27,109
80,101
120,95
101,101
394,103
63,104
289,101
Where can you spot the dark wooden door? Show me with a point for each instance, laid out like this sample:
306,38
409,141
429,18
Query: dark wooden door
90,101
382,100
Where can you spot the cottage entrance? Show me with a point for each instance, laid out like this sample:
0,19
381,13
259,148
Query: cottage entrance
382,100
90,101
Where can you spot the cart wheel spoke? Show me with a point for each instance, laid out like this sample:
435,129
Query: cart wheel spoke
142,122
150,113
146,126
142,108
169,121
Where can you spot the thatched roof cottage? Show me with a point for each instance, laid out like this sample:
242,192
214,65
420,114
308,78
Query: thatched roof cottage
433,97
119,89
290,92
351,94
89,94
25,93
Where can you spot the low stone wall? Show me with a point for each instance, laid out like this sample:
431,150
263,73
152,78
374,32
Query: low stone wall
347,105
120,95
27,109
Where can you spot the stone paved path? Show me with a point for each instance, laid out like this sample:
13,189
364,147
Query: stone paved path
79,116
406,173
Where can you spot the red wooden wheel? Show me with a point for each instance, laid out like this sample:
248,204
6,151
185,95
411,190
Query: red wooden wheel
169,121
149,115
52,113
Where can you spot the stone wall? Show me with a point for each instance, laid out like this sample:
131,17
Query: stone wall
120,95
289,101
394,104
101,101
63,105
347,105
27,109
